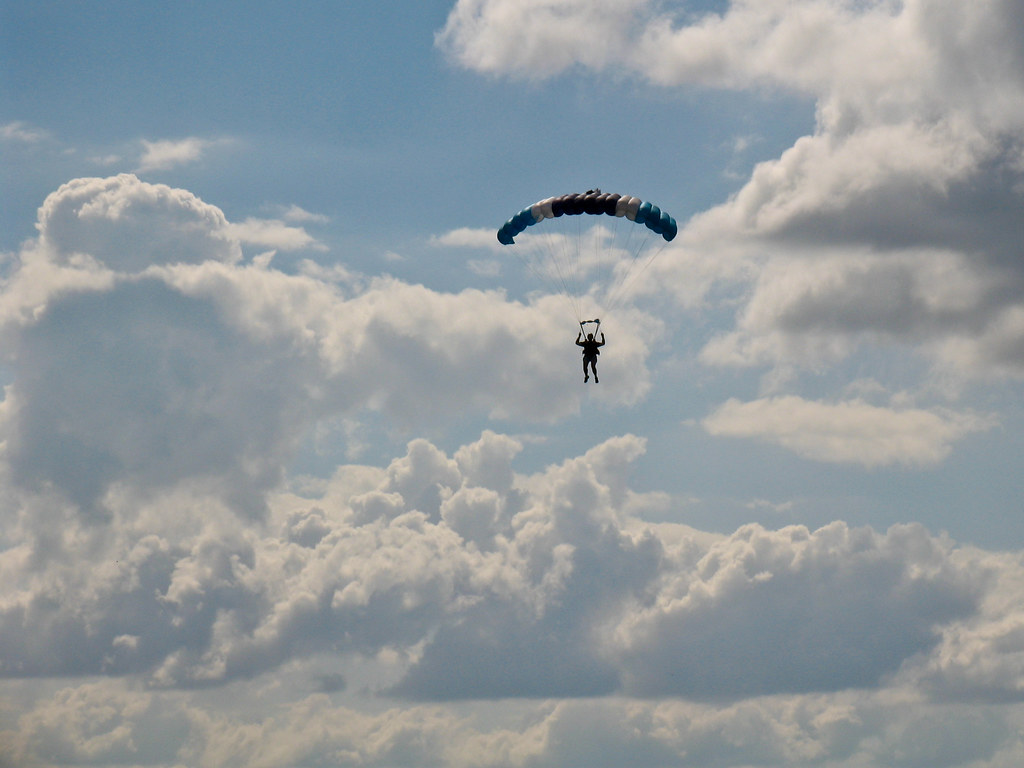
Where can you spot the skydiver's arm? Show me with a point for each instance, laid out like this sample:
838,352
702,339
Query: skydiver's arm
578,337
602,340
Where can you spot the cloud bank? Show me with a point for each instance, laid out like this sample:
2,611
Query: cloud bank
444,578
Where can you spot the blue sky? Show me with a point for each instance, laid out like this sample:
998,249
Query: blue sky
296,460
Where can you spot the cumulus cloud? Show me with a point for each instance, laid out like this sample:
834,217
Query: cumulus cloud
488,584
903,52
865,580
814,309
461,578
852,431
142,382
141,353
906,185
128,225
538,39
980,658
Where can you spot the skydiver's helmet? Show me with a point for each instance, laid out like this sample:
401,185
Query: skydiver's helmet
590,337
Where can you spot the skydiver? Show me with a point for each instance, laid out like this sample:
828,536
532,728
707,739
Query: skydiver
590,353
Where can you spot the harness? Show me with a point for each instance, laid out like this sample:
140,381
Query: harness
597,325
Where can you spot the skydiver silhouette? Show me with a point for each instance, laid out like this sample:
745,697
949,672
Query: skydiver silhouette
590,353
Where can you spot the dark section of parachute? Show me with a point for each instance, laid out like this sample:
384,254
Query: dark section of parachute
593,202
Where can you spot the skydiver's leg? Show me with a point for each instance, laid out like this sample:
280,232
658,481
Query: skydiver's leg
586,376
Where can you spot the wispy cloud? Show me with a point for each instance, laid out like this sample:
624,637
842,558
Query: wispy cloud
465,237
275,233
164,154
848,432
21,131
297,215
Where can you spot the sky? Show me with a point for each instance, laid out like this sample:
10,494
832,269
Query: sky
297,466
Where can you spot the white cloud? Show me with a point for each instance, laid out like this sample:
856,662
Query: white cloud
274,233
128,225
451,576
465,237
142,382
295,214
842,731
21,131
488,584
811,308
904,188
466,579
167,153
885,57
793,599
538,39
847,432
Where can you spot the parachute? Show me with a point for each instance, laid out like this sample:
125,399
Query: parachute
593,202
588,265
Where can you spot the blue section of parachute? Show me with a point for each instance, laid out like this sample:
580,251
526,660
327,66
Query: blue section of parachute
593,202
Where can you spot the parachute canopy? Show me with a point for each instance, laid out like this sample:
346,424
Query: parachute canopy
593,202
